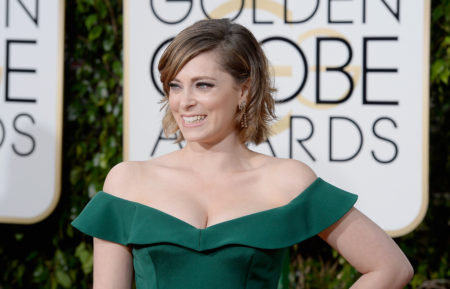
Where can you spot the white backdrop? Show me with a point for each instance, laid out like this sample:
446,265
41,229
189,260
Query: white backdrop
31,61
352,91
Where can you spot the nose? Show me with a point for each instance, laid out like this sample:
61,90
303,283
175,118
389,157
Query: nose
188,99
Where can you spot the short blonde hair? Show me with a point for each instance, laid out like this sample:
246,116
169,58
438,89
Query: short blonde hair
240,55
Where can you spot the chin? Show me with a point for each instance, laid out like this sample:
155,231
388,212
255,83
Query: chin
200,137
196,139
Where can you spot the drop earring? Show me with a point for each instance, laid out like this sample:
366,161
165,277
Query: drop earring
244,115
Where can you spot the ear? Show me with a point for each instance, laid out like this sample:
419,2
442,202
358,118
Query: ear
245,90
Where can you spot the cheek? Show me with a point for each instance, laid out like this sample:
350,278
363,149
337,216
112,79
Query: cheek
173,104
225,102
230,104
224,108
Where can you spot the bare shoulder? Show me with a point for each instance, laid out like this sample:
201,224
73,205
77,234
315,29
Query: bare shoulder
290,176
120,177
295,168
129,179
294,172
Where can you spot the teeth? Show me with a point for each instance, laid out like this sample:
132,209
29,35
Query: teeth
192,119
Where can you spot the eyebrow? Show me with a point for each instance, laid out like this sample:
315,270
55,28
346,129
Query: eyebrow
194,79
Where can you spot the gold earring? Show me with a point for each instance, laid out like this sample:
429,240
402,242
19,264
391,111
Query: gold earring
244,115
242,105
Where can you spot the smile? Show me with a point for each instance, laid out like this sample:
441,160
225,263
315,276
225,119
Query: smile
193,119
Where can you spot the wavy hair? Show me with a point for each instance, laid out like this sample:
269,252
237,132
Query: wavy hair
240,55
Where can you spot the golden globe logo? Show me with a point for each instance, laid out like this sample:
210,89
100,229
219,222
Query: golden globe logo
313,72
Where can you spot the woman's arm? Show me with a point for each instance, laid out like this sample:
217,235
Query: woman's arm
113,265
370,250
113,262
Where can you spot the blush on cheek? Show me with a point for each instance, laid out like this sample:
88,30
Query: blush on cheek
173,109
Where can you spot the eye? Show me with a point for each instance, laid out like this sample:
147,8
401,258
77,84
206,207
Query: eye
173,86
204,85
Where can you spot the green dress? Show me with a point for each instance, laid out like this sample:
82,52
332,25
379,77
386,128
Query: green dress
241,253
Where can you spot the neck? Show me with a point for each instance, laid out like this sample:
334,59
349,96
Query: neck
226,156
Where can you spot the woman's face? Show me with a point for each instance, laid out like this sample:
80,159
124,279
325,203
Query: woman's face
204,98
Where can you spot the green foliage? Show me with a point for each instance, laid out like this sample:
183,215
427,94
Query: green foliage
427,247
53,255
439,97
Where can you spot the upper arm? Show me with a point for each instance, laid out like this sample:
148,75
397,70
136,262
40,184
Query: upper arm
113,265
367,247
113,262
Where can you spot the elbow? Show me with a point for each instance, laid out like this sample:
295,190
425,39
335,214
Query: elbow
407,273
395,275
403,274
404,271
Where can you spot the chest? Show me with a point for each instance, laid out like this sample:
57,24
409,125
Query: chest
204,201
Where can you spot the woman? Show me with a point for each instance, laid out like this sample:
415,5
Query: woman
216,214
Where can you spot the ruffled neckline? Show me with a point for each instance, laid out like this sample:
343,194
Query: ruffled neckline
223,223
131,223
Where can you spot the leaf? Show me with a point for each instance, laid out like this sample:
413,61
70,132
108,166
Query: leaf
117,68
108,43
18,236
63,279
40,273
95,33
75,175
102,9
436,69
85,256
53,282
92,190
90,21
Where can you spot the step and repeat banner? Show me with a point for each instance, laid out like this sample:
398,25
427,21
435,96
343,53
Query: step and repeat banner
352,100
31,79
